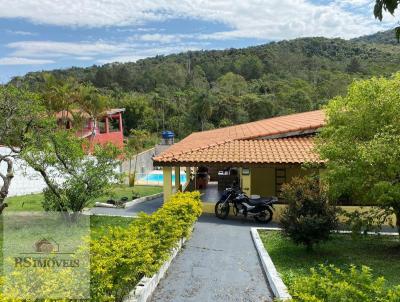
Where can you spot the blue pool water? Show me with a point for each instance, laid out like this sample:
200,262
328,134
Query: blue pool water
159,178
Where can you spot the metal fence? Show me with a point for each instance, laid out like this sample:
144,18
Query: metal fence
155,179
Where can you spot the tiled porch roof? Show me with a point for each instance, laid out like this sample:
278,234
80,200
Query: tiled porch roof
291,150
254,142
70,114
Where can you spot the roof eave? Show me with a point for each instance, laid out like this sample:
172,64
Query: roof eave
232,163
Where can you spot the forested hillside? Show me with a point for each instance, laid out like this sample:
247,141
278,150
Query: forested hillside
382,37
205,89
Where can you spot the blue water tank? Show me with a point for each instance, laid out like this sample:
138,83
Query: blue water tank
168,134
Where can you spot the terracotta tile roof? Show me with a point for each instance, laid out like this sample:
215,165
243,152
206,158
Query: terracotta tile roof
70,114
290,150
268,128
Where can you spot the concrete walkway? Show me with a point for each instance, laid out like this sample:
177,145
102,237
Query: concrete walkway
147,206
219,263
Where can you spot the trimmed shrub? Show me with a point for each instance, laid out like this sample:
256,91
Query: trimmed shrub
332,284
121,257
309,218
360,222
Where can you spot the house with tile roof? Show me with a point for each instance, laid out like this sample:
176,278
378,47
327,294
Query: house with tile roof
106,128
265,153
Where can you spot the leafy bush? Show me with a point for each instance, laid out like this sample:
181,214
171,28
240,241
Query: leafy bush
309,218
42,282
121,257
332,284
135,194
371,220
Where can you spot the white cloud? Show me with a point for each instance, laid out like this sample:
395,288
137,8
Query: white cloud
23,61
260,19
163,38
84,58
102,52
264,19
51,49
20,32
159,38
355,2
141,53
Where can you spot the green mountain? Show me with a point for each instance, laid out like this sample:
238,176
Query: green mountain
382,37
206,89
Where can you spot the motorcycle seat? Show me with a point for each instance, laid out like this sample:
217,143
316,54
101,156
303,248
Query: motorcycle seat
259,201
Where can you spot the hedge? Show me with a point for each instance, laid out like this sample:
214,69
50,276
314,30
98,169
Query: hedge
121,257
333,284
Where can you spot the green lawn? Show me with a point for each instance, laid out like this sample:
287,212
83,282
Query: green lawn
98,226
380,253
33,202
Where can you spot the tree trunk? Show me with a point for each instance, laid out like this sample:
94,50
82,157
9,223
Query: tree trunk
397,214
6,182
134,170
130,171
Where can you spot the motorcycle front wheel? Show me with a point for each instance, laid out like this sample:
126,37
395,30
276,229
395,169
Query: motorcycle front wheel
265,216
222,209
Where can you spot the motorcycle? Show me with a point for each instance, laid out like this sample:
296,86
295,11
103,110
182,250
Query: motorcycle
261,209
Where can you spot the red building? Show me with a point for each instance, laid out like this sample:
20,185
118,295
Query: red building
106,129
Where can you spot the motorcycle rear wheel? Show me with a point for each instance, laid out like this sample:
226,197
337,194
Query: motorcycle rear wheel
221,210
265,216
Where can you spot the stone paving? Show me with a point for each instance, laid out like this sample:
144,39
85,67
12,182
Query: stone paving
219,263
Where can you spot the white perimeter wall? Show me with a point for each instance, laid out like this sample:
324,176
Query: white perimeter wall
25,181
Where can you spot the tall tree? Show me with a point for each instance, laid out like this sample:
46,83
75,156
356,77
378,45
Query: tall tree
354,66
258,107
139,112
22,115
201,109
250,67
137,142
299,101
389,6
91,101
231,84
72,177
198,79
360,143
58,94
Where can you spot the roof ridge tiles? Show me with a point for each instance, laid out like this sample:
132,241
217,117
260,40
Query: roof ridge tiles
254,131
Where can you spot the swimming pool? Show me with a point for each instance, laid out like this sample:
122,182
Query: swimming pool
157,177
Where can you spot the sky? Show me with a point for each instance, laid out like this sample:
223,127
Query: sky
48,34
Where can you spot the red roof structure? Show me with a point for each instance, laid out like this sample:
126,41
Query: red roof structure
280,140
107,128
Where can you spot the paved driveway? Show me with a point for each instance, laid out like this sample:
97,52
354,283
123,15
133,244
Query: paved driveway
147,206
219,263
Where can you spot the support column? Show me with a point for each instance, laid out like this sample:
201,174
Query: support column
195,177
107,125
167,182
246,180
177,179
121,128
187,175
